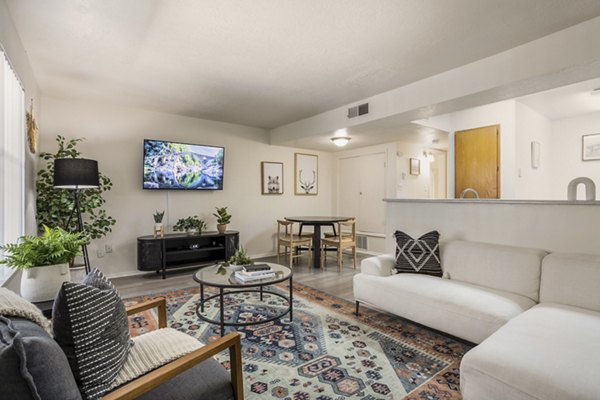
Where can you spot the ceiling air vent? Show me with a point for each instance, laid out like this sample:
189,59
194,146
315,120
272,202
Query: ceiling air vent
359,110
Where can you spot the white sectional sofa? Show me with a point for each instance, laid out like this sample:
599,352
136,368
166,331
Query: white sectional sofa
488,285
535,316
551,351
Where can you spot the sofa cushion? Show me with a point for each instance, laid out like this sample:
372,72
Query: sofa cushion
90,324
549,352
154,349
32,365
458,308
506,268
571,279
205,381
418,256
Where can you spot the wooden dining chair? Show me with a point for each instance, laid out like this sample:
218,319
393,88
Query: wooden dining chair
345,239
289,240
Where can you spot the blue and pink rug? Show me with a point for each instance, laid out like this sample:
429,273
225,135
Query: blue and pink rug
327,353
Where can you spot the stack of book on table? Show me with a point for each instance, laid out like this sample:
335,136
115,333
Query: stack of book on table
254,272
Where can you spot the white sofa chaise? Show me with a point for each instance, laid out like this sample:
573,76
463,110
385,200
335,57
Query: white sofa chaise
487,286
549,352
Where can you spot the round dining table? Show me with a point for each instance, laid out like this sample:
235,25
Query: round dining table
317,222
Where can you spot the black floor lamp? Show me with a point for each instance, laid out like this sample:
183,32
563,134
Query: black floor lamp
76,174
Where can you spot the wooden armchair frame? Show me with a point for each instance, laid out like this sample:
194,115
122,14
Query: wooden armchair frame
155,378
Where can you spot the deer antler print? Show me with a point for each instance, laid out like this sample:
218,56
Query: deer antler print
307,186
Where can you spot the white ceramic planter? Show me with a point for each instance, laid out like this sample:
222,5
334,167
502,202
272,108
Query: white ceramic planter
77,273
42,283
236,267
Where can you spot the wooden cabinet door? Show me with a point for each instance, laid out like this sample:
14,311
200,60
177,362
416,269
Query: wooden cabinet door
477,162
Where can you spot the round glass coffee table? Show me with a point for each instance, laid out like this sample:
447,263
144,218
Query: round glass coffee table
223,278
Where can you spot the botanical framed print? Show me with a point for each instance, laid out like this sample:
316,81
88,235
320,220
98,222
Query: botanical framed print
590,147
415,166
306,174
271,175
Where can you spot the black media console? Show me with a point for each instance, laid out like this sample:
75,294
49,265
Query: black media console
183,250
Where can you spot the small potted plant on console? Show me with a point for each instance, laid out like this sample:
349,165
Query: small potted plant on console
223,219
190,225
158,225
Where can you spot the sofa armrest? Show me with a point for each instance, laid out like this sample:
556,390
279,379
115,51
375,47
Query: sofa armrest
382,265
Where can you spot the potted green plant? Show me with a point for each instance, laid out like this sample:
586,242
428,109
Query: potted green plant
223,219
239,259
44,261
190,225
158,226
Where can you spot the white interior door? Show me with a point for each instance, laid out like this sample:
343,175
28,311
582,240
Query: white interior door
349,187
361,190
372,192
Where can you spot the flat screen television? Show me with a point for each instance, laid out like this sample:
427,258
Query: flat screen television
182,166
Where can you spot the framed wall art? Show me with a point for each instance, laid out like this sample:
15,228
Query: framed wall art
306,174
590,147
415,166
271,175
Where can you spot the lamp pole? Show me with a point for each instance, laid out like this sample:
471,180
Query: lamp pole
84,250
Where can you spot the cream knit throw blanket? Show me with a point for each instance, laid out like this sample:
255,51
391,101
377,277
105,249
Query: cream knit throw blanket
152,350
13,305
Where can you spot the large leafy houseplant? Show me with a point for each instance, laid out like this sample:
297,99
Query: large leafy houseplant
52,247
55,206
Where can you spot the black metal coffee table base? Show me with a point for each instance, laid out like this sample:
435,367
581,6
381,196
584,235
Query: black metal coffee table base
261,288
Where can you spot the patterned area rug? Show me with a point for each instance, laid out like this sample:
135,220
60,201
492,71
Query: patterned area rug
327,353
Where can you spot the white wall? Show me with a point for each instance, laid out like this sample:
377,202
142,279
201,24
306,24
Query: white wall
552,227
566,146
412,186
533,183
114,138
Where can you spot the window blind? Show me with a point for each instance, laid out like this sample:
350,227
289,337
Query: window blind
12,153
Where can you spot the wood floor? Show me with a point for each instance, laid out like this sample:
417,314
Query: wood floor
328,279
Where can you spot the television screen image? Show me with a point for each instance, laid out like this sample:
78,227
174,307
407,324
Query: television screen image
182,166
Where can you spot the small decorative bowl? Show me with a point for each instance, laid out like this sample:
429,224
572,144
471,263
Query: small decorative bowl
235,267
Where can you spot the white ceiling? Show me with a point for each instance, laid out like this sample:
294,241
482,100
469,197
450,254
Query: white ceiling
567,101
266,63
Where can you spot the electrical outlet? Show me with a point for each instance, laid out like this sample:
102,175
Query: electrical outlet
108,248
100,253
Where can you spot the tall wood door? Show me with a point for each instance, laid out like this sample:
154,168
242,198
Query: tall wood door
477,162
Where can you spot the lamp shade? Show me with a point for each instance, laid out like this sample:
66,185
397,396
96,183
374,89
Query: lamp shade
75,173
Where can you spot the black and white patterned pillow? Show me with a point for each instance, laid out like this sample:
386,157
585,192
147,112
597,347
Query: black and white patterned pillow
90,324
418,256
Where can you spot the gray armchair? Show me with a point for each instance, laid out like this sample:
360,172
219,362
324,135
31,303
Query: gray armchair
33,366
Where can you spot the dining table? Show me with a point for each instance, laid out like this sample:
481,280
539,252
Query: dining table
316,222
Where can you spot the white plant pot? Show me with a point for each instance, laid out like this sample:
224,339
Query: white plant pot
236,267
77,273
42,283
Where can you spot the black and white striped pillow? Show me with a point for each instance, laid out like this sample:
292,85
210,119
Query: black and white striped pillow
418,256
90,324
